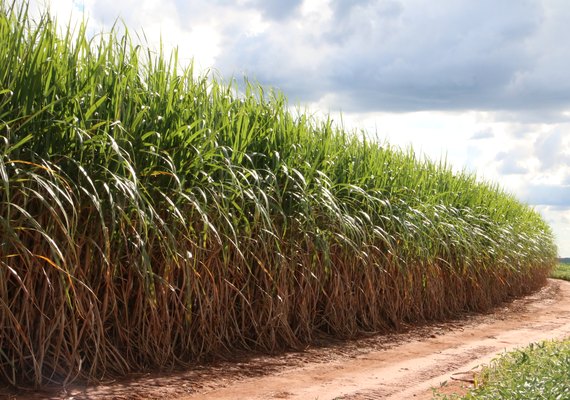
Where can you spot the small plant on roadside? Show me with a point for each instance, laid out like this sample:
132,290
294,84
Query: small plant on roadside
539,371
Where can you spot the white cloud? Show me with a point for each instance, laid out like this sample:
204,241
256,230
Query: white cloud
65,10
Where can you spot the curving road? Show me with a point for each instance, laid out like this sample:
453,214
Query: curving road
409,369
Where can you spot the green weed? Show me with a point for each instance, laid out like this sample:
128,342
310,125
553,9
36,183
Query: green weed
540,371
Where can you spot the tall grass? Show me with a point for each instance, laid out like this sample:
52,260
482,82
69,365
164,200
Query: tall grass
150,218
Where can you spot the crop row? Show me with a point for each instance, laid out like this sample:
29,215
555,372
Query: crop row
151,218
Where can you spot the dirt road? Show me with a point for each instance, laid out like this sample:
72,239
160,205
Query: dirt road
398,366
409,370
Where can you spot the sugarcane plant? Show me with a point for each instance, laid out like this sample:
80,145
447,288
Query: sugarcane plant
151,216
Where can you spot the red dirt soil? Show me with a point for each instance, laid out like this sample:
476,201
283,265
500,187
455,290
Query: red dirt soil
396,366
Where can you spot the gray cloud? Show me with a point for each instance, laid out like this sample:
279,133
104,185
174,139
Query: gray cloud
510,162
511,167
364,18
550,195
484,134
549,150
529,117
417,55
276,9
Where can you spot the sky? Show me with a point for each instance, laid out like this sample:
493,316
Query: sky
484,83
